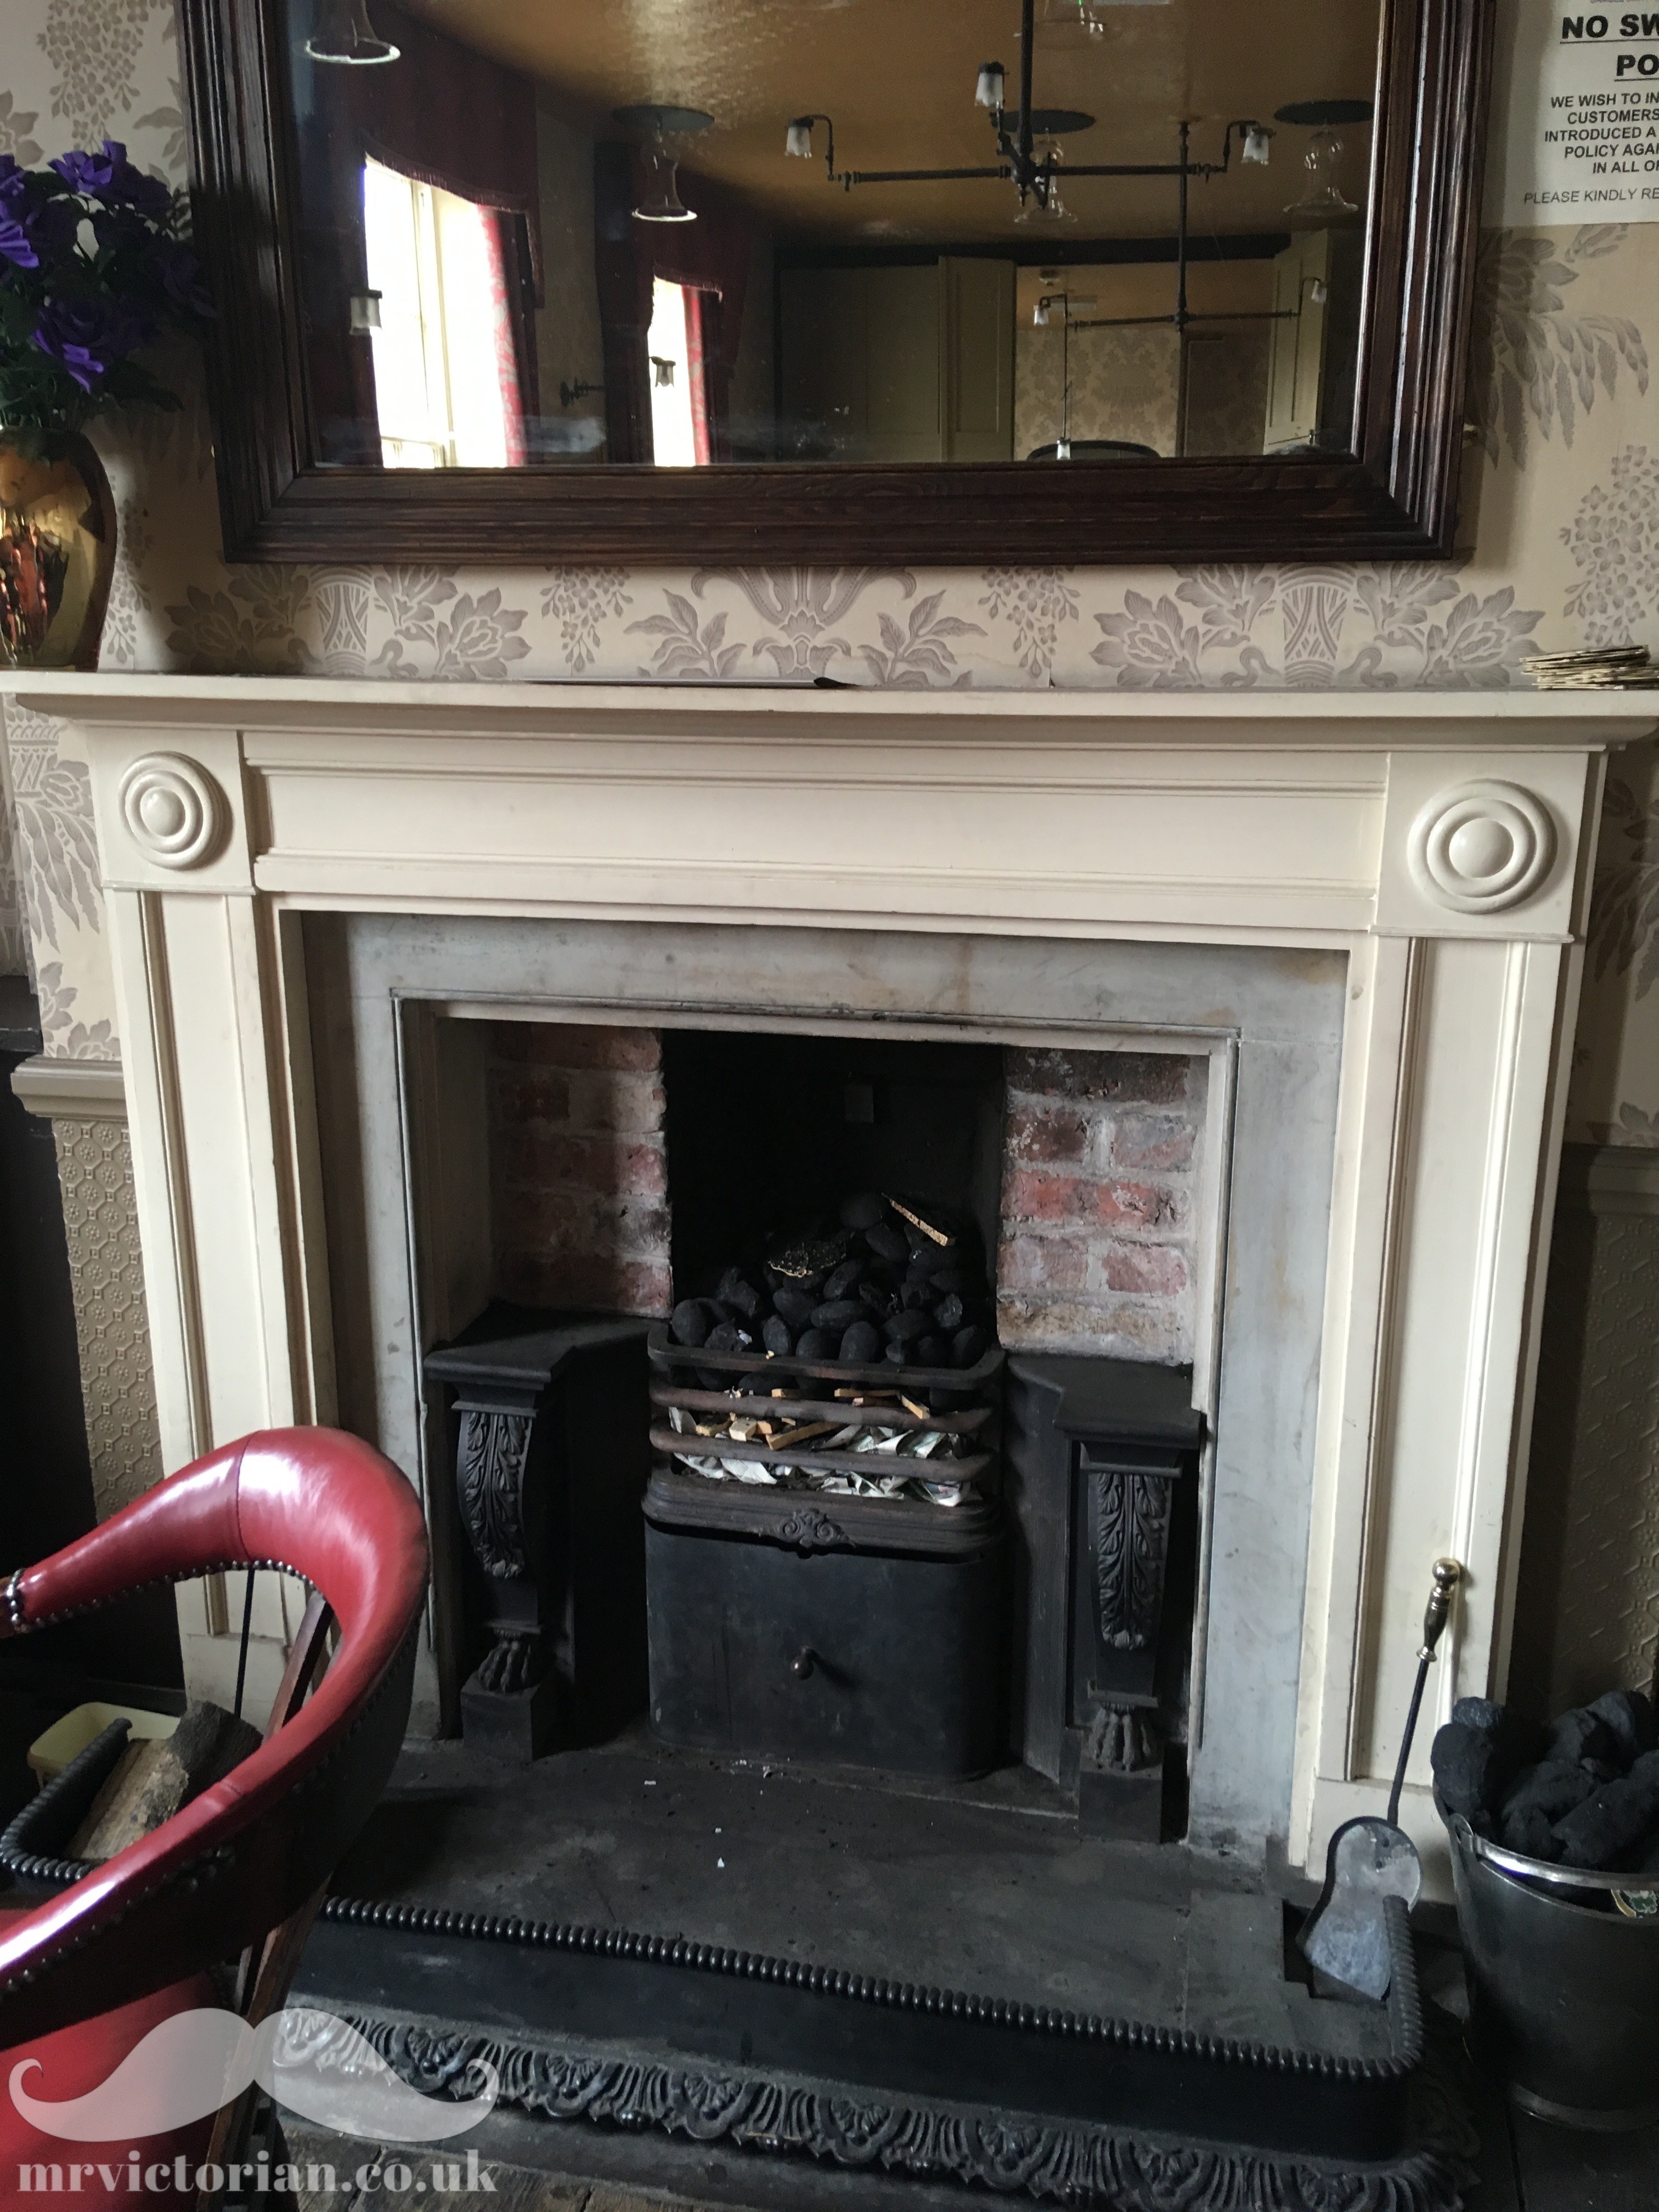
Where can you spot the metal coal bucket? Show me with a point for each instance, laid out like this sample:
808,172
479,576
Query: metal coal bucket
1564,1982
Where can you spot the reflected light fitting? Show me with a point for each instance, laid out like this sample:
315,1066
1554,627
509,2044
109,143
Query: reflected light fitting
1323,200
798,139
345,36
1258,143
662,369
661,200
988,91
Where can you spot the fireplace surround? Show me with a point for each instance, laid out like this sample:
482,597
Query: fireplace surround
1364,913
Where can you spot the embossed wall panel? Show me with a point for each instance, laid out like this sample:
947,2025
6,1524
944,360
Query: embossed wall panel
94,1167
1587,1616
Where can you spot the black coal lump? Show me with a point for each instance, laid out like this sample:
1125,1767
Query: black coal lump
690,1321
819,1344
933,1351
1531,1833
968,1346
1631,1717
794,1305
928,1258
842,1282
916,1293
950,1313
775,1336
861,1345
910,1325
1519,1741
880,1298
1465,1767
897,1355
726,1336
865,1210
1553,1787
1581,1733
1478,1713
887,1242
838,1313
1601,1832
757,1385
737,1293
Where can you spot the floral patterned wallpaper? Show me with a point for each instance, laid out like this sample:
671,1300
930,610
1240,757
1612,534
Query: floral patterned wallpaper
1560,533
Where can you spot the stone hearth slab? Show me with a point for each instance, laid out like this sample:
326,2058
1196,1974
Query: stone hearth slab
984,1887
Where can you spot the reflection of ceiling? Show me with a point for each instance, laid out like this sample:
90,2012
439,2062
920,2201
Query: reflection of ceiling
897,77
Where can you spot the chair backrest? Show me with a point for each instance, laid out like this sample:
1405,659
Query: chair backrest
247,1852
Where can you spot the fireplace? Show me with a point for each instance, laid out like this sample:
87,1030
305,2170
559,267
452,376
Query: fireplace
340,914
849,1555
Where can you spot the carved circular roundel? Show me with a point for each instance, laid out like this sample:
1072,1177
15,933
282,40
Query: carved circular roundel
1478,847
174,812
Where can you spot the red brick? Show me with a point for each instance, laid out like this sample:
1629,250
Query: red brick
602,1099
1135,1204
1029,1194
1042,1263
611,1165
1147,1268
1036,1132
582,1221
1149,1078
529,1095
1124,1327
578,1044
1153,1140
631,1286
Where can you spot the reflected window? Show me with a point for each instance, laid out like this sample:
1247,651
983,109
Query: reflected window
446,380
673,431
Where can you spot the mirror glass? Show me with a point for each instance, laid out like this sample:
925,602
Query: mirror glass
680,233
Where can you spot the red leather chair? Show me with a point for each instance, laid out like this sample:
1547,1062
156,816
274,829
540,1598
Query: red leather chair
238,1873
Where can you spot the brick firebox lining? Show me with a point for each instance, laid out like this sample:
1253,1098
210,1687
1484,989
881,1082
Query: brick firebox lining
1098,1183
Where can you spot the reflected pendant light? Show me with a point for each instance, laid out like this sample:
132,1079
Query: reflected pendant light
1323,200
661,200
344,35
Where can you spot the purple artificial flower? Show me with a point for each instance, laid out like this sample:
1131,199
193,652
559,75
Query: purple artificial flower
90,173
111,177
181,277
29,226
16,244
89,337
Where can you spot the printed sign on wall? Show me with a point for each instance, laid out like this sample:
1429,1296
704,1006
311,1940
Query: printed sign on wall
1575,131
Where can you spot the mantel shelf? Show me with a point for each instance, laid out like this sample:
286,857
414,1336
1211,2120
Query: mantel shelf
1288,720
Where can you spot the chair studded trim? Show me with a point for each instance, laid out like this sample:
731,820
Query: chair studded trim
12,1598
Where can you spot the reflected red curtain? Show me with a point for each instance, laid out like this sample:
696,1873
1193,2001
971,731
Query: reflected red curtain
507,362
702,443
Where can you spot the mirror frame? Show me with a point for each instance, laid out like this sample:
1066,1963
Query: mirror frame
1396,499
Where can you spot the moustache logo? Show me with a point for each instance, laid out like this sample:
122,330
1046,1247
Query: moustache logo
316,2065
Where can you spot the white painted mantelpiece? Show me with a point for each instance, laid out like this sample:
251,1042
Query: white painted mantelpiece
1441,843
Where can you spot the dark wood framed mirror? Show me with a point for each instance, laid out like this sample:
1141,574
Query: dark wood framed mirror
950,281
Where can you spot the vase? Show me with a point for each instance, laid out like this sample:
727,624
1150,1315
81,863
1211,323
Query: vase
57,549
